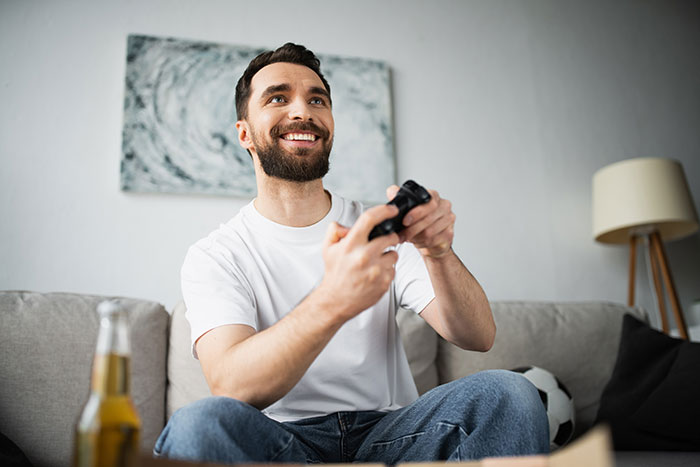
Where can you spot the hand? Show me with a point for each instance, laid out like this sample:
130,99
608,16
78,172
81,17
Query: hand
430,226
357,271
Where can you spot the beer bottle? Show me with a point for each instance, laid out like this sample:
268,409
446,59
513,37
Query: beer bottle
107,433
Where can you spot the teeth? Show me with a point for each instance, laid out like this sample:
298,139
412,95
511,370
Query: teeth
300,137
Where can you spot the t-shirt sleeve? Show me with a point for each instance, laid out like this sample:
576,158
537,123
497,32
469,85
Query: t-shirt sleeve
215,292
413,288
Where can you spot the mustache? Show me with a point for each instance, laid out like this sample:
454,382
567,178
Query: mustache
279,130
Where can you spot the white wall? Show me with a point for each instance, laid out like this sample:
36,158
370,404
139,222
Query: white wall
506,107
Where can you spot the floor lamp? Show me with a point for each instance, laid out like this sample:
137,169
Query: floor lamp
649,199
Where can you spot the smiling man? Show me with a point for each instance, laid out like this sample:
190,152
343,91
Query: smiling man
306,144
292,311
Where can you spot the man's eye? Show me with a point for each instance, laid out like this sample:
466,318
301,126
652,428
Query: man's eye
277,100
318,101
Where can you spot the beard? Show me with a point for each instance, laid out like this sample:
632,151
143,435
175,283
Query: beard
299,165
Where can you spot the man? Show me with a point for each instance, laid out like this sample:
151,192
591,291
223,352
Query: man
292,311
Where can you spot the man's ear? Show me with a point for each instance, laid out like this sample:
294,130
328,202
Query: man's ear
244,138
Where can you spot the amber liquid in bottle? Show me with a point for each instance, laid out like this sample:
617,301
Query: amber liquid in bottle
107,433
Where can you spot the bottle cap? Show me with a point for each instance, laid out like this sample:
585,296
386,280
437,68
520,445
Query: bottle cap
109,307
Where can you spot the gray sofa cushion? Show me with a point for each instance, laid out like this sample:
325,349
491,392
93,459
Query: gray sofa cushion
47,342
186,382
420,343
577,342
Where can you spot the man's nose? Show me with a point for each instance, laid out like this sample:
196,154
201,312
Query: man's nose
299,110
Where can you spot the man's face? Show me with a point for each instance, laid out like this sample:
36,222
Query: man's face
289,124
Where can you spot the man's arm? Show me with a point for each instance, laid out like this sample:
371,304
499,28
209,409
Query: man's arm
460,311
260,368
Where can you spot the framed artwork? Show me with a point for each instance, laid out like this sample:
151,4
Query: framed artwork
179,132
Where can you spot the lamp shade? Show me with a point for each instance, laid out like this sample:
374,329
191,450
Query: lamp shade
637,194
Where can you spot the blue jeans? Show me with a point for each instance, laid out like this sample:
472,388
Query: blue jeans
491,413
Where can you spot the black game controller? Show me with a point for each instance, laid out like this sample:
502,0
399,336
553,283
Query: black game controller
409,196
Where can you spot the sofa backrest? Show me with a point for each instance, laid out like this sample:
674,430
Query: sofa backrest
47,342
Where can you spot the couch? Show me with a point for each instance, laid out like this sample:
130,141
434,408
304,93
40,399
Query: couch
47,341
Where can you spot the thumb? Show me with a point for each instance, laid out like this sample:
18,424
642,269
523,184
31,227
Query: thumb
335,233
391,192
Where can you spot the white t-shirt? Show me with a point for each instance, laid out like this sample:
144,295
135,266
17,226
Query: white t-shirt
254,271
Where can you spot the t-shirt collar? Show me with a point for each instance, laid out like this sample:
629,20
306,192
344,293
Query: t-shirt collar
309,234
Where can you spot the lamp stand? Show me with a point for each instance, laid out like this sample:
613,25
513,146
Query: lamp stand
659,267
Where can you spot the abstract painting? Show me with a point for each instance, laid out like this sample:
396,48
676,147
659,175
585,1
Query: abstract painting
179,132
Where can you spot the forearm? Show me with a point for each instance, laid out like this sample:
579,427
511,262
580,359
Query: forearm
264,367
461,312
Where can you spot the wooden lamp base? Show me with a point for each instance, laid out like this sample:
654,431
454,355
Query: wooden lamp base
659,267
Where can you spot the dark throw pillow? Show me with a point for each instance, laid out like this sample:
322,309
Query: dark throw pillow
11,455
652,401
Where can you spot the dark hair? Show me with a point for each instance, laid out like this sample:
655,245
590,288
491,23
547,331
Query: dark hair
288,53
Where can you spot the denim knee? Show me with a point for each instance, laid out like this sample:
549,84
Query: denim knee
508,393
504,382
522,400
206,418
510,404
510,388
210,410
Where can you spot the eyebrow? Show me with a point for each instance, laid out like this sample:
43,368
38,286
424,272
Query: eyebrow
284,87
274,89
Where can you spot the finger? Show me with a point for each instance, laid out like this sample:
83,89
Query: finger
391,192
371,217
389,258
418,226
385,265
423,232
419,218
335,233
422,210
381,243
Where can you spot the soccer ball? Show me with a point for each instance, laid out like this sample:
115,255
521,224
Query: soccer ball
557,401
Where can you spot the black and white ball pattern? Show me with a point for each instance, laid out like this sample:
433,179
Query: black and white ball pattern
558,402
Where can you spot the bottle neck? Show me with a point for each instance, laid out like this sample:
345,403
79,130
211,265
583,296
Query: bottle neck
111,367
